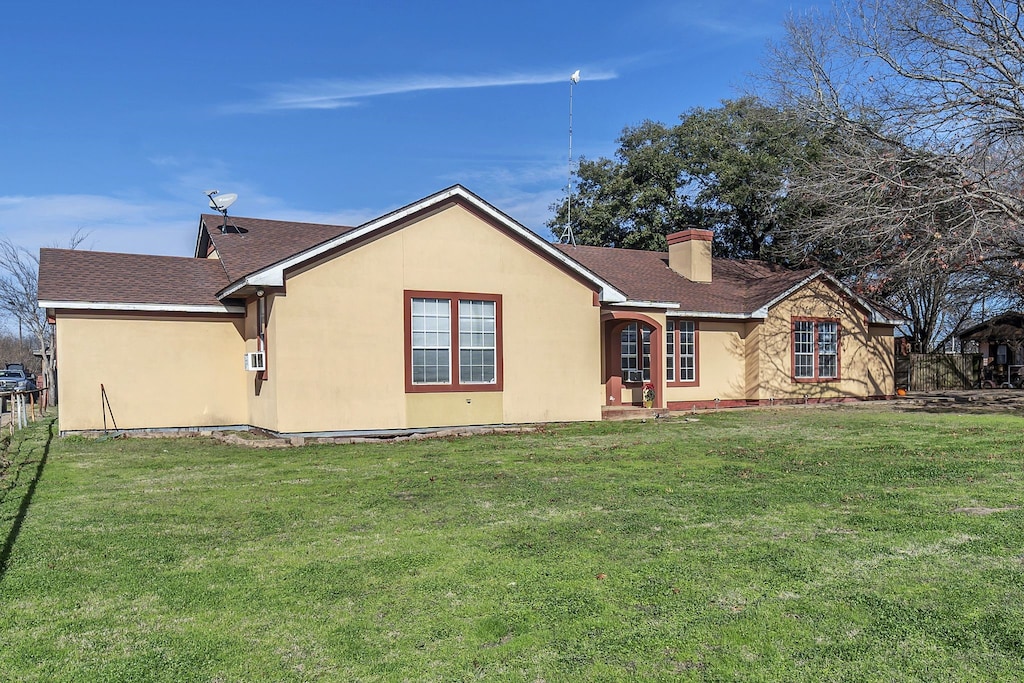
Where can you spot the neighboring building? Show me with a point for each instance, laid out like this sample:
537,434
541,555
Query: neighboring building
446,312
1000,342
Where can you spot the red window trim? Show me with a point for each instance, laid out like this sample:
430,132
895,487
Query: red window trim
695,382
455,384
792,351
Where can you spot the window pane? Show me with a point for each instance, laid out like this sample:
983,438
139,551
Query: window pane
687,351
477,342
431,347
635,352
827,350
646,345
670,351
627,351
803,349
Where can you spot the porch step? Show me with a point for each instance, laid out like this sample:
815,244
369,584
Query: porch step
631,413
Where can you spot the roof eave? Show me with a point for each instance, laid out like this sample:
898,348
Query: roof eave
634,303
155,308
199,238
759,314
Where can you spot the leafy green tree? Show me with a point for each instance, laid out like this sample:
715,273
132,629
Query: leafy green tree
723,169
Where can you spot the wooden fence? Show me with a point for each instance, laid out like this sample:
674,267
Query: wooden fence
23,406
937,371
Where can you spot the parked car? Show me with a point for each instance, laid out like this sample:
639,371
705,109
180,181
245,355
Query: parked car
15,380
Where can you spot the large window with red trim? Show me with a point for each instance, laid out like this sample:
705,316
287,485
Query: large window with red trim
452,342
815,350
681,352
635,353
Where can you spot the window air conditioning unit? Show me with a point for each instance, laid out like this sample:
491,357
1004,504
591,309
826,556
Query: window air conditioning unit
634,376
256,360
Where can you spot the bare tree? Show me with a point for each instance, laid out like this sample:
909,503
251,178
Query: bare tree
15,348
19,300
924,103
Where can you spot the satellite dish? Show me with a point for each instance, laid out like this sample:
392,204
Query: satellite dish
221,202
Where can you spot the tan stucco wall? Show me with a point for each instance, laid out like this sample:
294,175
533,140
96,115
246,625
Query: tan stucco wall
336,337
454,408
721,359
261,396
177,372
866,351
752,360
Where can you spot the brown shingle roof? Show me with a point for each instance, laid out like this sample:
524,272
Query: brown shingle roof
252,244
1006,327
737,287
258,243
103,277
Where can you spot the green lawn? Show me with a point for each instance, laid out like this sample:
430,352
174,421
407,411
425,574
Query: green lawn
812,544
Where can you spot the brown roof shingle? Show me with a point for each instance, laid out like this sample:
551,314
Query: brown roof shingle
102,277
251,244
737,287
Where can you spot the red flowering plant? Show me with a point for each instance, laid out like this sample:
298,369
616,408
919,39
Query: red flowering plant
648,393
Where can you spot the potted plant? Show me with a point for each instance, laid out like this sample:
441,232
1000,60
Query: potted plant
648,395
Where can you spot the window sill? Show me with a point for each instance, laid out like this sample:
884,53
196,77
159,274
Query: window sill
449,388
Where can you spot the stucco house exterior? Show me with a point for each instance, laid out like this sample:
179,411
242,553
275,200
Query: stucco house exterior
446,312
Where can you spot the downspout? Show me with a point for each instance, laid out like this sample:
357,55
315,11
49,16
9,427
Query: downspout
261,329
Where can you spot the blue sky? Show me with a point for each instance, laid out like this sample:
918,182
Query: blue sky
115,117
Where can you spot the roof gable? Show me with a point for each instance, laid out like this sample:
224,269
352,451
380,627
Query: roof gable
273,274
738,289
251,244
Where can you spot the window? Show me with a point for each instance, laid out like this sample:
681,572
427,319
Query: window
453,342
681,352
431,341
477,342
815,350
635,353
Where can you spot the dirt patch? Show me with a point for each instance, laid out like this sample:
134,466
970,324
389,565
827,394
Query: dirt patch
999,401
980,511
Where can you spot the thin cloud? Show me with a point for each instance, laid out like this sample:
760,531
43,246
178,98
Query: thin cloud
757,20
338,93
749,30
138,225
141,225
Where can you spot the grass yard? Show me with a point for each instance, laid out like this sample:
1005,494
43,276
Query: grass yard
814,544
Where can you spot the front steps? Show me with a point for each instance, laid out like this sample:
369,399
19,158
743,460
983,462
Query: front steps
632,413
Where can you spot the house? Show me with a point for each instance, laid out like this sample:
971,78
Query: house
1000,342
445,312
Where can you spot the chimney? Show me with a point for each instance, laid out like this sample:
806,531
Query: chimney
689,254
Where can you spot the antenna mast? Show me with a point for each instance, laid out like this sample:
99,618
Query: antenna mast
567,236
